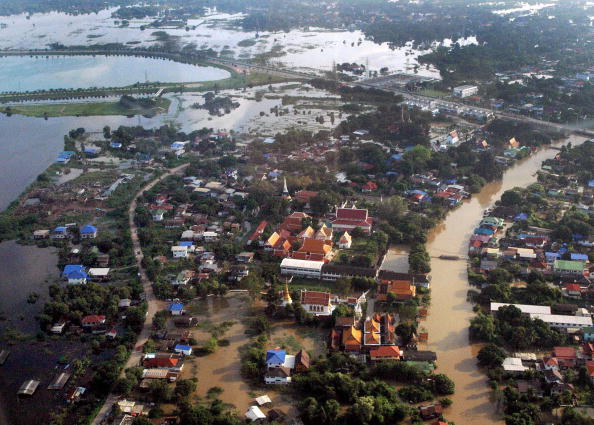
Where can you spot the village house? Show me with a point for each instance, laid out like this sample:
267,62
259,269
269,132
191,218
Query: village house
176,309
183,278
401,290
88,232
92,321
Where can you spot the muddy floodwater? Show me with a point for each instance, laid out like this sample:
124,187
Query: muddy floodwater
450,313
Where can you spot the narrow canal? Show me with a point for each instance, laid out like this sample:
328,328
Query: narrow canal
450,313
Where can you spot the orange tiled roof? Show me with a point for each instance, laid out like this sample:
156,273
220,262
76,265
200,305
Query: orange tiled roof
315,246
351,336
372,338
273,239
385,351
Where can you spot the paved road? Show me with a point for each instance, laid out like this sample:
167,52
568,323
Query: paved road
153,304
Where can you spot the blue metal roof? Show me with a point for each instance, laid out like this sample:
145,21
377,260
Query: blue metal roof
176,307
60,229
185,243
88,229
77,274
69,268
182,347
579,257
275,356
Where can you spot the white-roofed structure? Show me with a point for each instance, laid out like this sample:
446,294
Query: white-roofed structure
563,321
254,414
513,364
305,268
99,272
524,308
263,399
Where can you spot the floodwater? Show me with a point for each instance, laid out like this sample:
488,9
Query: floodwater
24,270
301,48
23,73
450,313
38,141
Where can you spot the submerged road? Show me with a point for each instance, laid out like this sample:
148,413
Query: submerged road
153,305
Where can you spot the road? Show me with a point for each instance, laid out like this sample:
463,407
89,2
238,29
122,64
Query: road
153,305
448,104
276,70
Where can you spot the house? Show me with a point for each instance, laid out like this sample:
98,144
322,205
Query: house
385,352
313,250
186,350
92,321
58,327
254,414
553,376
573,289
302,361
176,309
183,278
369,187
303,268
430,411
99,273
345,241
88,232
348,219
278,375
77,277
179,251
60,232
41,234
352,339
238,272
402,290
465,91
317,303
275,358
419,356
513,365
566,356
163,361
245,257
568,267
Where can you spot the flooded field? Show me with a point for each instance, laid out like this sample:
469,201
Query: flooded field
304,49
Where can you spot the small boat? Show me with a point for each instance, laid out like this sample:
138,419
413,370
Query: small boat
449,257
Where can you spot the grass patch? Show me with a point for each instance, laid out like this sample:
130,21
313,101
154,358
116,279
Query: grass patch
86,109
248,42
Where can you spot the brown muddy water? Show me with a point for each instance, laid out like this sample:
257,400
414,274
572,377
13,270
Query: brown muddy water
450,313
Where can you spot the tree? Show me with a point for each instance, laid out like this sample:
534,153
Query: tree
511,198
491,355
362,411
443,384
184,387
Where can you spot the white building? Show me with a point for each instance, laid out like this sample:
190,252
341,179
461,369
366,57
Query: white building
179,251
465,91
524,308
304,268
564,322
513,364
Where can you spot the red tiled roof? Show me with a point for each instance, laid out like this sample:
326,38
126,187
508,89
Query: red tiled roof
161,362
352,214
385,351
315,298
346,222
93,318
573,287
564,352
